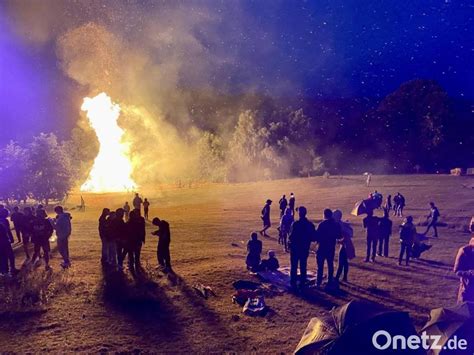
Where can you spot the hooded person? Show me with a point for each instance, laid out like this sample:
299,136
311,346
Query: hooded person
62,225
347,250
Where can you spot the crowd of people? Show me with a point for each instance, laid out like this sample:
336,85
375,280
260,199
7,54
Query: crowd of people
297,234
123,232
33,226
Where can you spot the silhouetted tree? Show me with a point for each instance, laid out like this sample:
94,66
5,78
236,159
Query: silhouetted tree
48,169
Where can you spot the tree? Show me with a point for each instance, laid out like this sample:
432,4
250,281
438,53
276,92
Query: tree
245,149
211,158
48,168
81,148
13,175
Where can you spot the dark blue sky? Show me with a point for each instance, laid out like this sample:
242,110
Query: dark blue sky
283,48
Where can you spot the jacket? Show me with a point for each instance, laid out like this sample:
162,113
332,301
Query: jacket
301,235
62,225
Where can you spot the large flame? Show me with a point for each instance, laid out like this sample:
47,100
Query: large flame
112,168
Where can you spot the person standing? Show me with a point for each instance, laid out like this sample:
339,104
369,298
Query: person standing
301,235
164,241
42,231
7,257
368,180
27,232
285,226
266,218
110,236
126,211
119,235
399,200
146,207
17,220
292,203
62,225
396,204
327,234
137,203
136,238
347,250
388,203
385,231
371,224
433,218
103,235
254,249
464,269
283,204
407,237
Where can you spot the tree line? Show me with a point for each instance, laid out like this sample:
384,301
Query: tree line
417,128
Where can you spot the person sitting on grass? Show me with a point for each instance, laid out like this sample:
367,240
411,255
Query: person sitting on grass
254,248
270,264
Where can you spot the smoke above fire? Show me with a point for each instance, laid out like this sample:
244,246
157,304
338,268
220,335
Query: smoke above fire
148,59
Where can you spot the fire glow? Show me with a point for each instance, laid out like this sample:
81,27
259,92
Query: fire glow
112,167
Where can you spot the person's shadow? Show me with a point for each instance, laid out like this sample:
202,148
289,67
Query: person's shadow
141,300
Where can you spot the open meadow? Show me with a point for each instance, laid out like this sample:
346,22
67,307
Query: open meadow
82,309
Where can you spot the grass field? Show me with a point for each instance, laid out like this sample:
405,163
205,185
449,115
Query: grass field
84,310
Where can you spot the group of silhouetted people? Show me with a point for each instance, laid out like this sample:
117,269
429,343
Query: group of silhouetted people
296,236
32,226
123,233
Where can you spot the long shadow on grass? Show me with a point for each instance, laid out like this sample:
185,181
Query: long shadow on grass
144,303
199,305
387,270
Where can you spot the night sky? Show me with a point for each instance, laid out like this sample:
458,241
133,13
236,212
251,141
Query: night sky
280,48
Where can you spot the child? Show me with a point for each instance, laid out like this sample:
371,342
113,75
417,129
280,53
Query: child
270,264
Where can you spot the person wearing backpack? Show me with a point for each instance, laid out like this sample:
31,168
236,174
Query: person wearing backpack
433,218
407,237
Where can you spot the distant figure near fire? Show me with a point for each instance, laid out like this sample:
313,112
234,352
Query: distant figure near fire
146,207
137,202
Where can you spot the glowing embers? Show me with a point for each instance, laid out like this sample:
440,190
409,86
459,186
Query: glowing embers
112,168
